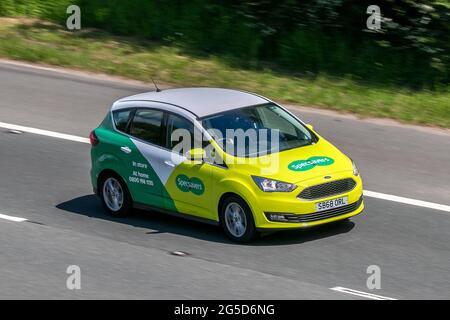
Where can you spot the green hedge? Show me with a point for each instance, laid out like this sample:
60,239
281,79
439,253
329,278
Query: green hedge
308,37
49,9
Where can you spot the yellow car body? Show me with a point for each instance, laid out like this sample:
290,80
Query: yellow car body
299,186
237,180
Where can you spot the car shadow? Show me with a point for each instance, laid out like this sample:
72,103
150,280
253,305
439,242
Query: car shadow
157,223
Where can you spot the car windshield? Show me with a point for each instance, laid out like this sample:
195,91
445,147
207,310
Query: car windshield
257,130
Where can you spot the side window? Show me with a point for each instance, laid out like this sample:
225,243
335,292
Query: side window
175,136
121,118
146,125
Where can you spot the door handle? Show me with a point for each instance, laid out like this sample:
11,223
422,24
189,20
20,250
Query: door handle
125,149
169,163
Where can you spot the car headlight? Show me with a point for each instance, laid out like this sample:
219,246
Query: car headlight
269,185
355,169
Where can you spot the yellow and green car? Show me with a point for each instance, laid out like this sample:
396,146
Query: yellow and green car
221,156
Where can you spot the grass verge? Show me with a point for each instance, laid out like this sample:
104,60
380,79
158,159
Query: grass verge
93,50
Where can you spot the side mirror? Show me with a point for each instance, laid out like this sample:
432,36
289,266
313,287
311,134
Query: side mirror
197,155
310,127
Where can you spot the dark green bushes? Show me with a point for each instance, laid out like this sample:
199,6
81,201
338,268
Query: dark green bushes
302,37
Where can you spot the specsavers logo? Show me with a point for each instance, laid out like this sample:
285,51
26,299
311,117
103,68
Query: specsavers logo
195,185
304,165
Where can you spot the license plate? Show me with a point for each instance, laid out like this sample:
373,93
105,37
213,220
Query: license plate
330,204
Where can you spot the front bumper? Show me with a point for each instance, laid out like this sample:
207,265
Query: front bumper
273,226
301,213
314,216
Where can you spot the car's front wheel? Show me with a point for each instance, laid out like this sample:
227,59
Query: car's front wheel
237,220
115,196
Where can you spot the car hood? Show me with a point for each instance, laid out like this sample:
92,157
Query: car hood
299,164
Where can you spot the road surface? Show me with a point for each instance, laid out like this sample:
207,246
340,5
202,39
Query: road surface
46,181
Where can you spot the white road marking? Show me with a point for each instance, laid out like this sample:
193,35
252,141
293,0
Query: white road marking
361,293
15,131
44,132
414,202
367,193
11,218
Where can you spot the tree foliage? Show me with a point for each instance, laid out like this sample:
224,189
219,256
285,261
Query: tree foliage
301,37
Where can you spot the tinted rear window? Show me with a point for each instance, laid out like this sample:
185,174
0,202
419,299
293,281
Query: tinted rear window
146,125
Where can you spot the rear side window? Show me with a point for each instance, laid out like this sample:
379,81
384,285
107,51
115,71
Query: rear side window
121,118
146,125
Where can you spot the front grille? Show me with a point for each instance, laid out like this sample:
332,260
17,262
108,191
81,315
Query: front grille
327,189
310,217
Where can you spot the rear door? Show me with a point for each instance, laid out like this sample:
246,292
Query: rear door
146,133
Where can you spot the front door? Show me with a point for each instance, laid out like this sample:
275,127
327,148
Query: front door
189,184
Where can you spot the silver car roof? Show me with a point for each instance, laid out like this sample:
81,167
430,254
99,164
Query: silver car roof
199,101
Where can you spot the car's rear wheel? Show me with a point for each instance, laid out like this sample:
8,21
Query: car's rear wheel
237,220
115,196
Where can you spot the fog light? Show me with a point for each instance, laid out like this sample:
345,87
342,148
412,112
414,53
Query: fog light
279,217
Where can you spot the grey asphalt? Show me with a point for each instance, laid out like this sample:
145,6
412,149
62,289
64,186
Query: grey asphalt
46,180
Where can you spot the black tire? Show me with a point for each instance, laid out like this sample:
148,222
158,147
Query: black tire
250,229
126,206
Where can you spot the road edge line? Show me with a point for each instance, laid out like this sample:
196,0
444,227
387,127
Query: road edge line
11,218
414,202
361,293
42,132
